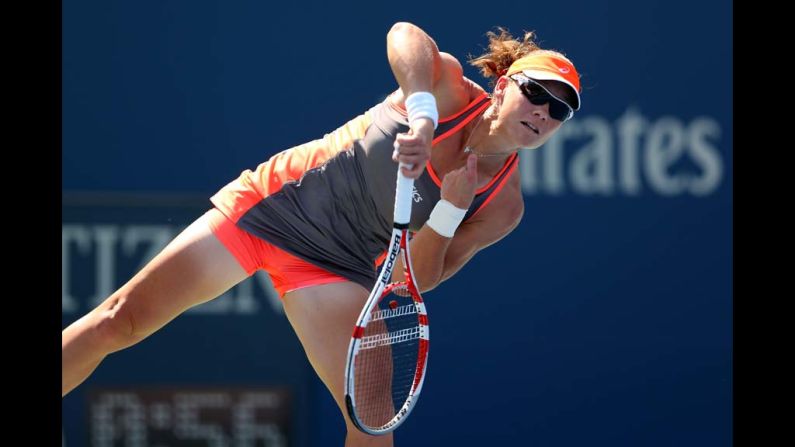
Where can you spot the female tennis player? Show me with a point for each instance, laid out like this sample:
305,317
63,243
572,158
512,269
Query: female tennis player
317,217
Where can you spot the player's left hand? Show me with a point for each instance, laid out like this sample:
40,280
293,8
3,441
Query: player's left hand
458,186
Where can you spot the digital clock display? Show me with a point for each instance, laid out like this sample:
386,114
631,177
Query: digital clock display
166,417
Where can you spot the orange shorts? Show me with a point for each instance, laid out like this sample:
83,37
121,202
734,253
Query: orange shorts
287,272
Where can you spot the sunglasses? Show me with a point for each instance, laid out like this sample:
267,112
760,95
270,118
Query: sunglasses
537,94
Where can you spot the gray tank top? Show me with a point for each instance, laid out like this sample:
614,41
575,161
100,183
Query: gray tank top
338,215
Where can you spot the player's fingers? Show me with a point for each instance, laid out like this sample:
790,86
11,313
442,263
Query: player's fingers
413,160
405,139
412,150
414,172
402,148
472,168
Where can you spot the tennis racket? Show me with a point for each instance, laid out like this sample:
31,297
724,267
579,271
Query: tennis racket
388,352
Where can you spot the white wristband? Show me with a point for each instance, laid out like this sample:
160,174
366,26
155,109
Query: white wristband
445,218
422,105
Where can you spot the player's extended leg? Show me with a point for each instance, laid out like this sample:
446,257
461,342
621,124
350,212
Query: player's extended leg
194,268
323,318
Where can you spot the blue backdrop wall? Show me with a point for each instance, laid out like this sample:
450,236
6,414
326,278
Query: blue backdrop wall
605,318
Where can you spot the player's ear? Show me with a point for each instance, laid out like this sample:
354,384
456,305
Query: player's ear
500,87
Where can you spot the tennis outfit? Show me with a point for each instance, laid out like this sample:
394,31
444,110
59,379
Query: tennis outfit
322,212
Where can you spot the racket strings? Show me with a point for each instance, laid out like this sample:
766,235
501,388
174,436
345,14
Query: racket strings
390,338
391,313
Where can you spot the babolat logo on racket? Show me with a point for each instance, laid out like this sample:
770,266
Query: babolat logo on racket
391,261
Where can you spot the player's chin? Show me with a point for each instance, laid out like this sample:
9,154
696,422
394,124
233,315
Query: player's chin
530,141
525,135
534,140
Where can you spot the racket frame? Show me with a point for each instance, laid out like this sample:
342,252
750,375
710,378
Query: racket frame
399,244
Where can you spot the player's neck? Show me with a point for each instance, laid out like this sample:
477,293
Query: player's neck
491,151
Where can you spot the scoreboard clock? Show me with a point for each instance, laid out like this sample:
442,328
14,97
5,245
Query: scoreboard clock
173,417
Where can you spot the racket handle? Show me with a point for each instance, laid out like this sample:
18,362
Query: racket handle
403,196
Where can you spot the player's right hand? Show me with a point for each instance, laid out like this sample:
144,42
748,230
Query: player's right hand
414,147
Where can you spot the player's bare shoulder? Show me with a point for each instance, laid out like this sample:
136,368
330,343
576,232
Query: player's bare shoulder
452,90
451,65
453,73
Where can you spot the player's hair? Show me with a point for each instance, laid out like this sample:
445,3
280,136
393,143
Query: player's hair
504,49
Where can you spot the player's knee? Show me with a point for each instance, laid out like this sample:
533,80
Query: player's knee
114,327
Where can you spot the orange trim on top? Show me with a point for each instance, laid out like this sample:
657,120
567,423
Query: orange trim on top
504,167
507,164
432,173
496,190
471,103
441,137
463,123
402,110
238,196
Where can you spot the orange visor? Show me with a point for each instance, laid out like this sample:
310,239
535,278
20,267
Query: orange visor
548,65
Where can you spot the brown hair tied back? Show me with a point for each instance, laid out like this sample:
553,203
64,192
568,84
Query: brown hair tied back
503,51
